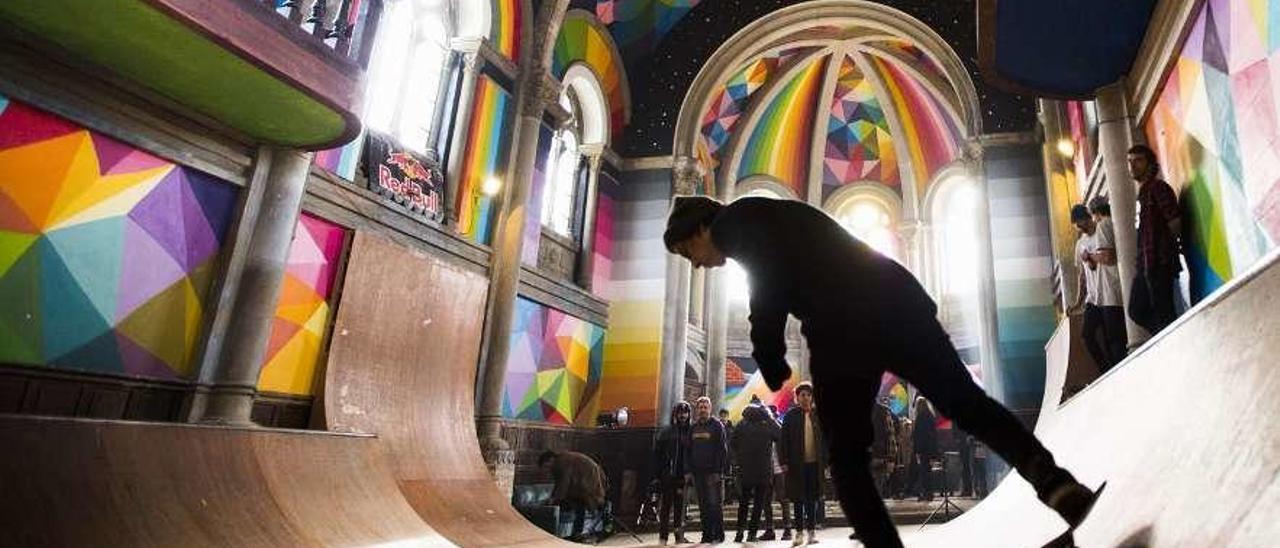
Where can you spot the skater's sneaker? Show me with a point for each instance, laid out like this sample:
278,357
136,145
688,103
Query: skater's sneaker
786,534
1072,501
768,535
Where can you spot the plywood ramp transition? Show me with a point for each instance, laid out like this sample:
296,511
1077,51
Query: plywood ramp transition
1186,433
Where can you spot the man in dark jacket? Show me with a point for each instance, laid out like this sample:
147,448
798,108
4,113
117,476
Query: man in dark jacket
752,444
708,452
861,314
803,455
671,464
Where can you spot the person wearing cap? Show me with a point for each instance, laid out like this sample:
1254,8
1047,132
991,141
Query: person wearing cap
861,314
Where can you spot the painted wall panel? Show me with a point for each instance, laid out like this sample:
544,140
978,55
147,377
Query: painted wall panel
555,367
107,253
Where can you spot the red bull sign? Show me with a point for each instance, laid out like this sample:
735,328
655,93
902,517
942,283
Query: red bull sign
405,177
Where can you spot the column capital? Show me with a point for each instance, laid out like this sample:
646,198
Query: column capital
594,153
543,90
686,175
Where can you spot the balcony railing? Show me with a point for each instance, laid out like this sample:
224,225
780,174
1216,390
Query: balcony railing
345,26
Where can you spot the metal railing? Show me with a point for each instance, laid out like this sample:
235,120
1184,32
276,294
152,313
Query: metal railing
345,26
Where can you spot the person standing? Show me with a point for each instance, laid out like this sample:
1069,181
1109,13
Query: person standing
1098,288
803,458
671,464
752,443
1159,230
779,488
924,443
708,453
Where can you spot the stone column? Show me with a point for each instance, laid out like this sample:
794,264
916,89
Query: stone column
989,332
585,263
1115,136
685,177
536,90
717,335
468,49
234,378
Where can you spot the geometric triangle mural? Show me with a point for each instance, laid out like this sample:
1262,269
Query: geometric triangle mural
1214,127
555,366
107,253
303,309
859,145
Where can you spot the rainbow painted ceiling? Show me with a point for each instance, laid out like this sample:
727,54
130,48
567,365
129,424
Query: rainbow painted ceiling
873,111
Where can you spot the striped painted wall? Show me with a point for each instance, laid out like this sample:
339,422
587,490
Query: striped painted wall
633,342
488,142
602,250
930,133
342,161
583,39
779,143
533,206
1023,256
504,31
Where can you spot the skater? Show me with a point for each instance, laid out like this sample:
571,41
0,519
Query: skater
861,314
671,463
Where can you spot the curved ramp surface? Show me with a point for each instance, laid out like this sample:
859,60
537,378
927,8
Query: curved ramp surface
1186,434
78,482
404,368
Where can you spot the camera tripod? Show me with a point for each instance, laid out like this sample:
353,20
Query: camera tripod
946,505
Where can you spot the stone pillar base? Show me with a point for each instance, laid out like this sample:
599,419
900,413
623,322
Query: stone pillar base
500,460
228,405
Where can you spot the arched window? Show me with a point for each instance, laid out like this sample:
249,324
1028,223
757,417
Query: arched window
954,211
559,205
870,221
409,63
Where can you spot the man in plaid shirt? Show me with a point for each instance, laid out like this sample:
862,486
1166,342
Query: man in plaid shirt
1159,228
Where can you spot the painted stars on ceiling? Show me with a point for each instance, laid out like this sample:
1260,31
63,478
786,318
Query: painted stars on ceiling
661,73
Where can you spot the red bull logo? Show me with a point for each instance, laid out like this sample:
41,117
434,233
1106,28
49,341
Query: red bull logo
409,166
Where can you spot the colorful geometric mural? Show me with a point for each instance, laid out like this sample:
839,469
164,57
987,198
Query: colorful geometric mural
859,143
504,32
107,253
555,367
742,380
931,134
303,309
485,157
1215,130
638,25
780,140
731,100
583,40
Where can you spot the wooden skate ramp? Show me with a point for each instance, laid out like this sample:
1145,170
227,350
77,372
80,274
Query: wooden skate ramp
1186,433
80,482
403,365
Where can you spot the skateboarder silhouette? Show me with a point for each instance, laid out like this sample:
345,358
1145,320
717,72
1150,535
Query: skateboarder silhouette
862,314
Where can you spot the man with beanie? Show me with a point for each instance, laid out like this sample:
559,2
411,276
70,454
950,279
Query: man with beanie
861,314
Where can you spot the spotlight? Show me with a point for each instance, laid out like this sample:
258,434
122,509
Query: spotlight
491,186
1066,147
